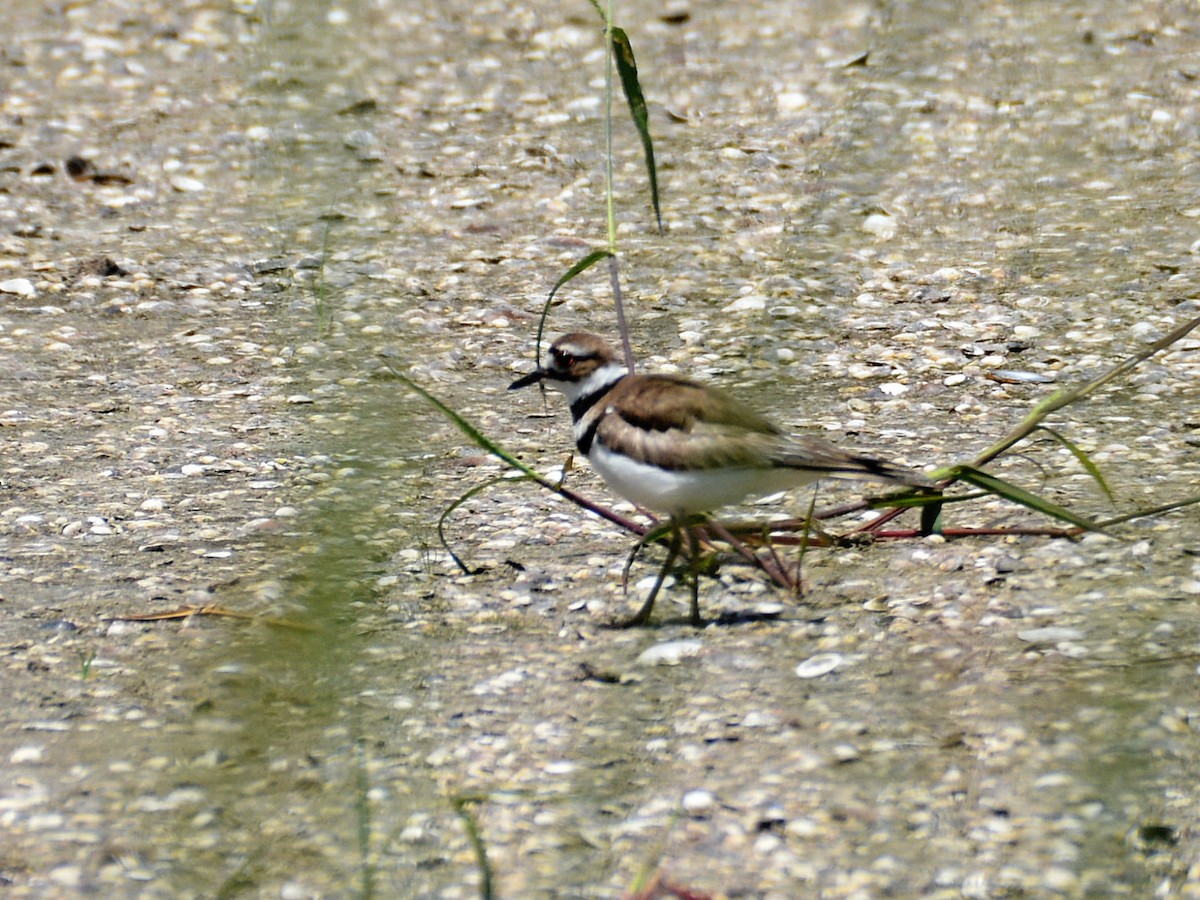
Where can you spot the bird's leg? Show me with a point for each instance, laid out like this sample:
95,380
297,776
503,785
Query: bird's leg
694,568
642,616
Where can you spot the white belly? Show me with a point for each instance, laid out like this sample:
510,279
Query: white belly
688,491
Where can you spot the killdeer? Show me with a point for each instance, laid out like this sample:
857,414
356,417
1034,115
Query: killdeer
675,446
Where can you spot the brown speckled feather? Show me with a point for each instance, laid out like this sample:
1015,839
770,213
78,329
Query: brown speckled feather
679,424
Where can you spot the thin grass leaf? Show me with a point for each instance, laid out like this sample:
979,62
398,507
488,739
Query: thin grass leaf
1009,491
1067,396
657,533
918,501
362,802
932,519
462,808
581,266
441,523
627,70
1154,511
324,313
474,434
485,443
805,539
1084,460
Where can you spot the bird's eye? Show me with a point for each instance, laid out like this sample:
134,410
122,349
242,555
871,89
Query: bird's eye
563,360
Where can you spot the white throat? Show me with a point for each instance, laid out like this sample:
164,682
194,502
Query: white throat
603,377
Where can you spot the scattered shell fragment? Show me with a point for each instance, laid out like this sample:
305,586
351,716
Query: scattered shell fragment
698,801
185,185
749,303
881,225
22,287
821,664
30,753
669,653
1050,634
1011,376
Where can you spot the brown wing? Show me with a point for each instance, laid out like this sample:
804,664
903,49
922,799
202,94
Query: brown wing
679,424
666,402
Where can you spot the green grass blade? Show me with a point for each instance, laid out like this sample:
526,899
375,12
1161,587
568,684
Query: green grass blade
481,440
909,501
1084,460
362,802
932,518
580,267
1009,491
1154,511
476,436
627,70
441,523
1065,397
463,809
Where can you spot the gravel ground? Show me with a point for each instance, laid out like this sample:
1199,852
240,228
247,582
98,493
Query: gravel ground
215,217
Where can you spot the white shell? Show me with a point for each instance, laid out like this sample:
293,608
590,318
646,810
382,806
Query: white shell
821,664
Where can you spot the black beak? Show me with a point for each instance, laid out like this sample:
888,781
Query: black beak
532,378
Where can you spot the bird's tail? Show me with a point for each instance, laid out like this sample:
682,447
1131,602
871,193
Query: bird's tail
828,461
